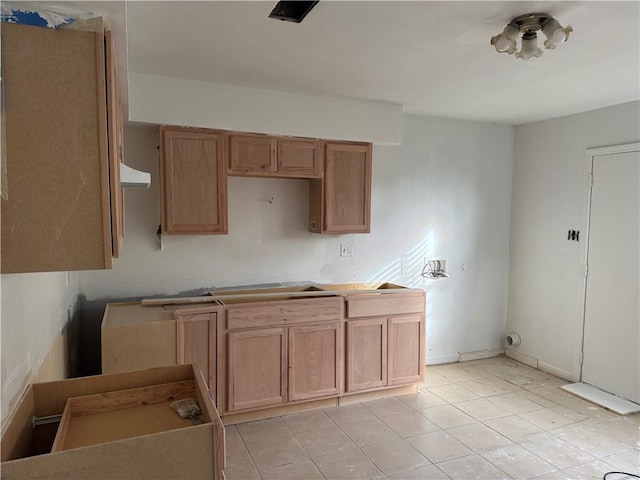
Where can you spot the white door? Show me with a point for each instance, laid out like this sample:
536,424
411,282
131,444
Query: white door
612,310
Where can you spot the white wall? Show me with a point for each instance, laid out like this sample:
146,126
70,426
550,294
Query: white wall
445,193
163,100
546,277
35,309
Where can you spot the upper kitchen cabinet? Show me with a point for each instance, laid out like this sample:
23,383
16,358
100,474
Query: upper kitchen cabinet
300,158
252,154
193,174
341,202
62,119
256,155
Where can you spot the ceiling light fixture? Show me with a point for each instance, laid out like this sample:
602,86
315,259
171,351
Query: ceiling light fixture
528,25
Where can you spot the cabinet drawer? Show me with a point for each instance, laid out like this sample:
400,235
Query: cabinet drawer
284,312
377,305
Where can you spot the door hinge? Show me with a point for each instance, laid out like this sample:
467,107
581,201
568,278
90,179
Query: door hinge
581,358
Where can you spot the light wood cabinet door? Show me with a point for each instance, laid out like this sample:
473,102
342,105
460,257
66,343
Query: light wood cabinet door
366,354
341,202
406,349
252,154
257,368
196,344
347,188
194,181
314,361
300,158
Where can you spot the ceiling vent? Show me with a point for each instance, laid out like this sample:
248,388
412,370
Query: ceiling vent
292,11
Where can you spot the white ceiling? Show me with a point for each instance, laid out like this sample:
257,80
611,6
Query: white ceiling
432,57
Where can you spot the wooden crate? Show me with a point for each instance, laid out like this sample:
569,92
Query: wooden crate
177,449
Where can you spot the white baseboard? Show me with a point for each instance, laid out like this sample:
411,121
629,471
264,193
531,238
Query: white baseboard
558,372
522,358
479,354
449,358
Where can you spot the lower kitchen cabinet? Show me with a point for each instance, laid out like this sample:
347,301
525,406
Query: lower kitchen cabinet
196,344
366,354
406,350
384,352
314,361
257,368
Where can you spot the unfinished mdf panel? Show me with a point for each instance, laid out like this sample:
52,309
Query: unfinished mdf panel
57,213
194,181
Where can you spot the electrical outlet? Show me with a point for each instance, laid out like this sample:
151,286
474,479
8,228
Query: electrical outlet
346,250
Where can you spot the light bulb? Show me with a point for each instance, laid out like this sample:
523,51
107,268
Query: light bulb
555,33
529,47
505,42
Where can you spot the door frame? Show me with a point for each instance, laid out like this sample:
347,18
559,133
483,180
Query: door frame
590,154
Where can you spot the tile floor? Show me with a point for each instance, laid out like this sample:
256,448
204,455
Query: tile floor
486,419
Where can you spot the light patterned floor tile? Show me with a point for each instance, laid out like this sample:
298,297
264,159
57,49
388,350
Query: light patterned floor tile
263,429
302,422
518,462
546,419
481,409
349,413
479,437
428,472
592,441
592,471
489,386
514,428
439,446
421,400
305,470
433,379
559,435
349,464
409,424
514,403
558,453
628,461
453,393
239,465
534,397
232,436
447,416
323,441
386,406
395,456
460,375
472,467
369,432
273,452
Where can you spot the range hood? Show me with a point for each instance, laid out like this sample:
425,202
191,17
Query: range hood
130,177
